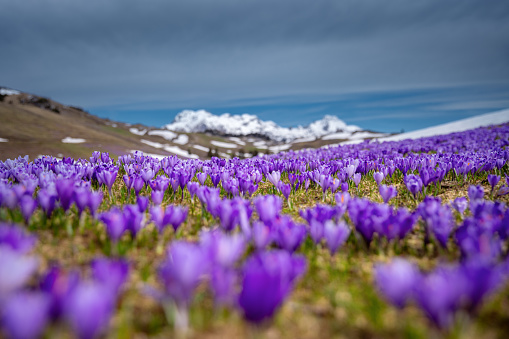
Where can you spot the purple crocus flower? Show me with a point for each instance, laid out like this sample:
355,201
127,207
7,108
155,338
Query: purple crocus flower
46,200
15,270
111,273
334,185
493,180
133,218
268,207
157,197
289,234
175,215
25,314
94,201
274,177
344,187
202,177
15,237
58,285
481,279
89,308
129,182
396,280
147,174
27,205
286,189
475,193
223,281
413,183
342,198
268,278
184,268
222,249
81,197
379,177
142,203
460,204
65,189
335,234
157,216
316,230
261,235
438,294
138,184
387,192
115,223
357,179
438,218
108,177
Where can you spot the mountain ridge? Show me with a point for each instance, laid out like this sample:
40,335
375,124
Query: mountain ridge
201,121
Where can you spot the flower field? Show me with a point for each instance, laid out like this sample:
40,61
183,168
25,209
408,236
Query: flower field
394,239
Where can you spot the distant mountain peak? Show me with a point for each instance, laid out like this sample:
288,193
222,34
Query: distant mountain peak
200,121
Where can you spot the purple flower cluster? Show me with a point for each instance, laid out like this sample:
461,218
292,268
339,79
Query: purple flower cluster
85,304
442,293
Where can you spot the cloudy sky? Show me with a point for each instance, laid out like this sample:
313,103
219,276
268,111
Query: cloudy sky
383,65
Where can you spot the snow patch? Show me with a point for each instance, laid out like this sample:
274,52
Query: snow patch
201,148
151,143
168,135
8,91
69,140
3,140
279,148
177,150
182,139
223,144
136,131
237,140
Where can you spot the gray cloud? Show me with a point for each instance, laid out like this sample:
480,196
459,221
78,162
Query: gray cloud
166,54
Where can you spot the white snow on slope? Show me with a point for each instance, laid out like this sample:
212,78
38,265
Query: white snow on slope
136,131
237,140
8,91
340,135
151,143
201,148
177,150
3,140
246,124
182,139
279,148
168,135
223,144
69,140
172,149
494,118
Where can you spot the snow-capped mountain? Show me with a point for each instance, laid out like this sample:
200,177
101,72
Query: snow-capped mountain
190,121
